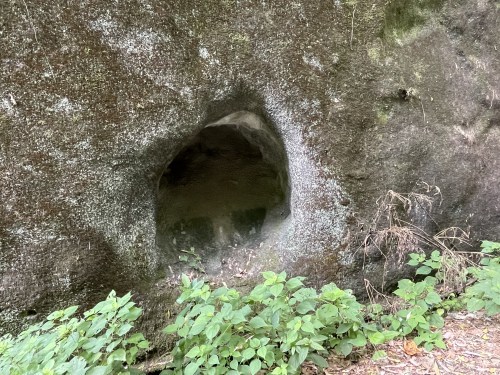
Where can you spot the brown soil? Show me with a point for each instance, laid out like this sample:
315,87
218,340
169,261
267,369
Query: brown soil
472,341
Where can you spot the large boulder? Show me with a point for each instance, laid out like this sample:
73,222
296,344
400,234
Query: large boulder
142,139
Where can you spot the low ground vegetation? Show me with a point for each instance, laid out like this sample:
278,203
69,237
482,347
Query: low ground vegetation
275,328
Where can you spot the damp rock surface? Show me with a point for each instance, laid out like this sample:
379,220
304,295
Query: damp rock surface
266,131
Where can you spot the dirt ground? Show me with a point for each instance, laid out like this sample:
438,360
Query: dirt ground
472,339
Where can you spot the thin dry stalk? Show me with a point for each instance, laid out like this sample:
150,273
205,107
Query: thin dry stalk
394,237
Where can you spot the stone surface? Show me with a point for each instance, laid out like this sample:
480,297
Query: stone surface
98,98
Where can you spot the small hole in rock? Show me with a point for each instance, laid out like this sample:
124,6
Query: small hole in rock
27,313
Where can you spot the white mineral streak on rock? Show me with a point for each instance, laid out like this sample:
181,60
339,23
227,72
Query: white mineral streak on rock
312,61
312,228
66,106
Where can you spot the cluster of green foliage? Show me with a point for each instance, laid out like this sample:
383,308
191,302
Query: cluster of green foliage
97,344
281,323
276,327
485,292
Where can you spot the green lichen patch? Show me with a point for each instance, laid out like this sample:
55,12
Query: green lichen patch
402,16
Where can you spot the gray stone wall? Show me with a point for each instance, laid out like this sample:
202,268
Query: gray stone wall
98,98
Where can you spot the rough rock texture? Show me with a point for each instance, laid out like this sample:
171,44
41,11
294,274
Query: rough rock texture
98,98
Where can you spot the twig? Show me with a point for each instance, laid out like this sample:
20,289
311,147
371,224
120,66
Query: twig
474,354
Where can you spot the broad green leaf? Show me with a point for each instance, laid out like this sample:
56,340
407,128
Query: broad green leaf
55,315
316,346
432,298
424,270
255,343
227,308
294,362
113,345
257,322
47,325
213,360
199,325
124,329
248,353
413,262
262,351
185,280
305,306
379,354
135,338
327,313
122,301
489,246
77,366
270,357
191,368
212,331
143,344
194,352
303,352
183,332
475,304
234,364
360,340
376,338
344,348
305,293
389,335
270,277
436,256
69,311
343,328
307,327
99,370
132,354
294,283
255,366
276,289
134,313
318,360
117,355
281,277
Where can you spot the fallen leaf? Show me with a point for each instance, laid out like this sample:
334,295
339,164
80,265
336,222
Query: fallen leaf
411,348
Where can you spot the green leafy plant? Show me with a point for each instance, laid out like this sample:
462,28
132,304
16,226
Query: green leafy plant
420,313
449,268
434,263
276,327
485,292
425,306
97,344
192,259
483,278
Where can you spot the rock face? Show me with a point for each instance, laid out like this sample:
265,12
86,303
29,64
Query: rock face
139,139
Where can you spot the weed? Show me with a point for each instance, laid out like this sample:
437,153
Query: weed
98,343
192,259
276,327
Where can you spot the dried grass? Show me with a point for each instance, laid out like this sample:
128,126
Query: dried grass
394,236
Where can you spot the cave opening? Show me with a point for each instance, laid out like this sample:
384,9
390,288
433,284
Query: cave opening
227,187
